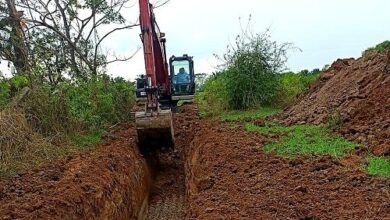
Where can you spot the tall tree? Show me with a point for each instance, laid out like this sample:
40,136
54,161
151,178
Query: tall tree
12,38
67,35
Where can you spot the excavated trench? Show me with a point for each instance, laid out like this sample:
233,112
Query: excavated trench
112,181
167,198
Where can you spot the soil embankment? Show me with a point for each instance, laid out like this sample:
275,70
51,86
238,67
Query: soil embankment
353,94
110,182
230,177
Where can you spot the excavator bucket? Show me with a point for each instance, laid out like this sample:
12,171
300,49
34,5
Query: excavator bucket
154,131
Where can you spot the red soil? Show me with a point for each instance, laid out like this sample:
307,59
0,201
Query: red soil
110,182
229,177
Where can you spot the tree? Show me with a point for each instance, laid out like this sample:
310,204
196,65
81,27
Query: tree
200,79
66,35
12,37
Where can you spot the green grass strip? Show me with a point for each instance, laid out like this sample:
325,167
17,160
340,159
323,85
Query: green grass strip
303,139
81,141
237,116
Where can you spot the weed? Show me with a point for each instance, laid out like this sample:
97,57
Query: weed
236,116
379,166
303,139
382,47
81,141
335,121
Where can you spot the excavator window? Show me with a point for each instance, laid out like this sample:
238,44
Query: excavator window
182,78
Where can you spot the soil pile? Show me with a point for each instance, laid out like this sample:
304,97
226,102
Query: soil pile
354,94
110,182
230,177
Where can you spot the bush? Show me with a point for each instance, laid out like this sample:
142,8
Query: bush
293,84
213,98
5,95
382,47
81,105
251,67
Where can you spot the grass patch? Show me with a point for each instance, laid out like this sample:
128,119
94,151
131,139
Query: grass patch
237,116
303,139
22,158
81,141
378,166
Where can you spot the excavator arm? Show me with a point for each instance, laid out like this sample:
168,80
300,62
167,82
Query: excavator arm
154,125
156,66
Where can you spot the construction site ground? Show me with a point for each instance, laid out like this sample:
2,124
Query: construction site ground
217,171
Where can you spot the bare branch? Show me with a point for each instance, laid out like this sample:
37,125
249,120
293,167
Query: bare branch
123,59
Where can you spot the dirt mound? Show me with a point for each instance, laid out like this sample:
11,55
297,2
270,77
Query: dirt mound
230,177
110,182
353,94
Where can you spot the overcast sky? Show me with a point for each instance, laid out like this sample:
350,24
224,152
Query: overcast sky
323,29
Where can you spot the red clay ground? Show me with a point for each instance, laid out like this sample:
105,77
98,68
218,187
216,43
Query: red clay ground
229,177
110,182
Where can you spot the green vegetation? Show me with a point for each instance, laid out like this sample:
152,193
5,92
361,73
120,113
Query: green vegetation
291,85
382,47
213,99
303,139
42,151
53,120
82,141
252,76
4,94
59,90
250,70
236,116
379,166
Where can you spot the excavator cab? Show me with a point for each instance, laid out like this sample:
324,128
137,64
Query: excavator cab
182,77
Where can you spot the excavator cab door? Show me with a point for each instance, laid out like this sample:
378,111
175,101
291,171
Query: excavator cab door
182,77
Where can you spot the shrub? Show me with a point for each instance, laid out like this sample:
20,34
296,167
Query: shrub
213,99
293,84
382,47
251,68
72,106
5,95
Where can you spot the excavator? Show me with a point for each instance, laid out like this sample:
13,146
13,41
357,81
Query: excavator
161,88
